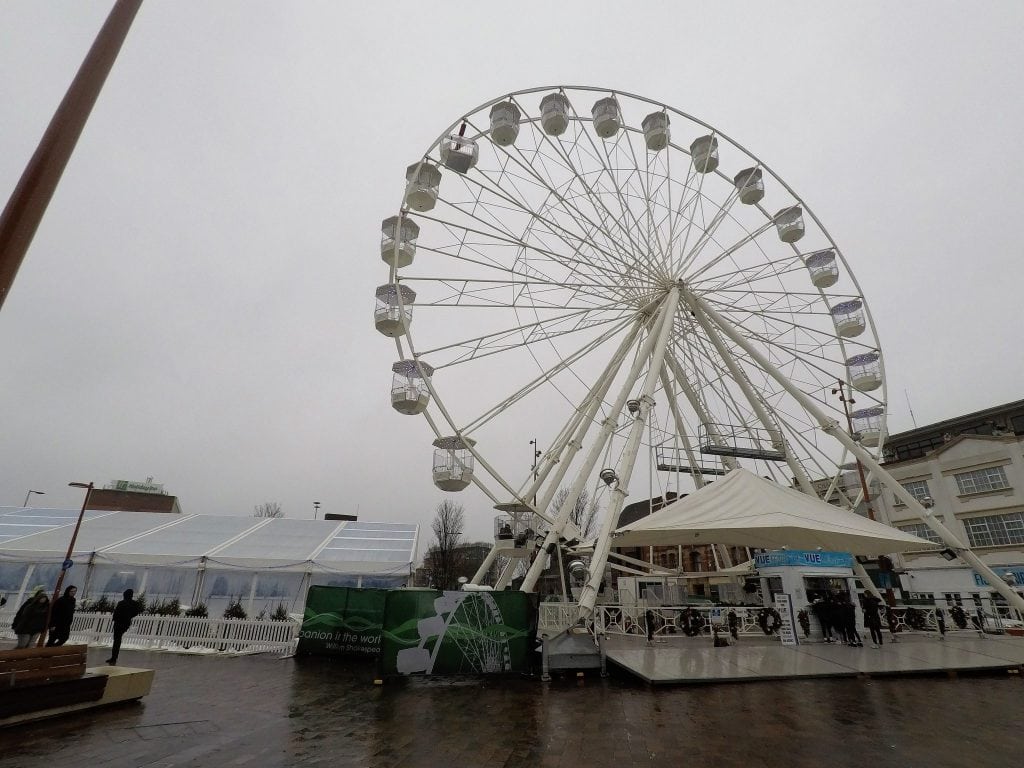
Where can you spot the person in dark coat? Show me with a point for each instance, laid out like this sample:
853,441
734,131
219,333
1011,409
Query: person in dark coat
30,620
734,624
823,612
872,619
848,614
124,612
60,617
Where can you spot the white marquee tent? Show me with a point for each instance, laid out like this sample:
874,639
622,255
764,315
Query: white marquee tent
201,558
745,510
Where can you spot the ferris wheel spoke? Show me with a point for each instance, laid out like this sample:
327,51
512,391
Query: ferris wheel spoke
460,291
595,200
565,236
508,265
771,270
546,375
556,230
727,252
697,200
707,234
521,161
502,341
608,168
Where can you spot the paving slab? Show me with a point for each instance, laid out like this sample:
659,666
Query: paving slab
286,713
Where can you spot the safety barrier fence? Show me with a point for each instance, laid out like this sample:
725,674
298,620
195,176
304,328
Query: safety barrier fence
180,632
699,620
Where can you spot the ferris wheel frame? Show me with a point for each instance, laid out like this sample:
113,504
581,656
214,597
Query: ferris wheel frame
717,328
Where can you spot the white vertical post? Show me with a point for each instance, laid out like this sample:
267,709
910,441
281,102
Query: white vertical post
831,427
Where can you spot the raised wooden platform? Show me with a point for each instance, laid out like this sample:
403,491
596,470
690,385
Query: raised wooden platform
695,660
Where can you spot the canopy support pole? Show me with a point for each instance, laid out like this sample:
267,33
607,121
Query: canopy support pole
831,427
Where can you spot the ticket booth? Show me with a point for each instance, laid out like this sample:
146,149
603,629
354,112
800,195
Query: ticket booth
807,575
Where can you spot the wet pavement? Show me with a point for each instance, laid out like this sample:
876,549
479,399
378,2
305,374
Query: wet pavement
264,711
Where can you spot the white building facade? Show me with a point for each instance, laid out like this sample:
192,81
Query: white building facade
970,471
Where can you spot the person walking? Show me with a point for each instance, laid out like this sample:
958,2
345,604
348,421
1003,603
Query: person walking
124,612
872,619
30,620
649,621
61,616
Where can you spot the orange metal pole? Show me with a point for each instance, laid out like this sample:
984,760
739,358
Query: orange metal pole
25,209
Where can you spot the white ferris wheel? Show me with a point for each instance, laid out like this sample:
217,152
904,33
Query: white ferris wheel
629,286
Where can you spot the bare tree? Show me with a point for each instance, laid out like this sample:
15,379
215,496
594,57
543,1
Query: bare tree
267,509
443,556
584,511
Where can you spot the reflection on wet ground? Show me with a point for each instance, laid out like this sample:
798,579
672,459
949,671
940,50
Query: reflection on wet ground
263,711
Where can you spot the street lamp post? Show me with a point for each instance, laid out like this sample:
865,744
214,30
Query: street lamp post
847,402
536,455
67,559
40,493
316,508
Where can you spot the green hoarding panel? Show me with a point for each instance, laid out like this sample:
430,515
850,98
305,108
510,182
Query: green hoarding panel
431,632
342,621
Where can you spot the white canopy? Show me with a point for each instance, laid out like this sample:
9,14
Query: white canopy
745,510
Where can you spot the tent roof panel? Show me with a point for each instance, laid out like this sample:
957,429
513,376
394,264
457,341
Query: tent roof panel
146,538
743,509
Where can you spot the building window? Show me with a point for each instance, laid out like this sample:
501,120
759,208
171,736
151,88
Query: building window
981,480
916,488
922,530
994,530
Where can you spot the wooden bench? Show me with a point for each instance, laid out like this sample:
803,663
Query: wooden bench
34,679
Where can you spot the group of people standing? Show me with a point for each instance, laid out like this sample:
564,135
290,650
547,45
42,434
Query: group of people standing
31,619
838,619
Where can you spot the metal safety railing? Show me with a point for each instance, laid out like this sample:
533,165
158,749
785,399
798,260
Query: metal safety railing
555,617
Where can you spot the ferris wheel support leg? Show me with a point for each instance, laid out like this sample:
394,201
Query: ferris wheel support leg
588,597
485,566
869,585
607,427
579,425
831,427
740,377
698,407
506,574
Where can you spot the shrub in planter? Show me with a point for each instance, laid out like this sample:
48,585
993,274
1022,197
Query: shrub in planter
169,608
197,611
235,610
280,613
100,605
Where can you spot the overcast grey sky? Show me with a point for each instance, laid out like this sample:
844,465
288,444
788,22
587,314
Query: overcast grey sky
196,305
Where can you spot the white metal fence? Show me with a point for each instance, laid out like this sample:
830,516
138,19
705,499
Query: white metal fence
180,633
